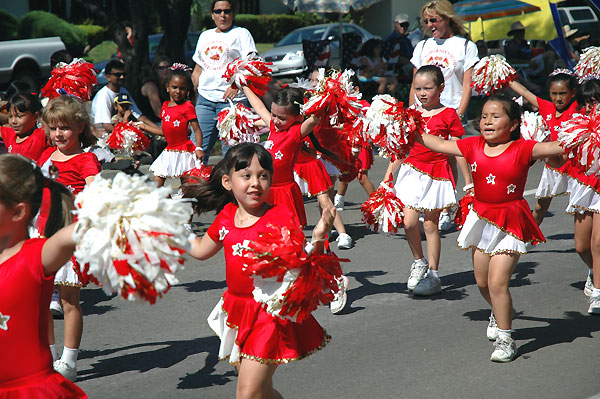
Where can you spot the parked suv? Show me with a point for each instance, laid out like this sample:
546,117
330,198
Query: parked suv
582,18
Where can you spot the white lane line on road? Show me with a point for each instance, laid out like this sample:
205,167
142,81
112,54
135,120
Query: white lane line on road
529,192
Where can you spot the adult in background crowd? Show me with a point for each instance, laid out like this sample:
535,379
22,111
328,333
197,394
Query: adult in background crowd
398,40
518,51
215,49
450,49
153,92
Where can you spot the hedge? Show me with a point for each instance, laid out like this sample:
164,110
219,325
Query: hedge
272,27
8,27
43,24
95,34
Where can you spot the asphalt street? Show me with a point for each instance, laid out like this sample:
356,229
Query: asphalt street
386,344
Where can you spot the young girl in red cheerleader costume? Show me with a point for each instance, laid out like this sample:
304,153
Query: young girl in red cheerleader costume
499,223
69,127
177,115
562,87
23,137
425,182
28,266
584,201
287,130
255,341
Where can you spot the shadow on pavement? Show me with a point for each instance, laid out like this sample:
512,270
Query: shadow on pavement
168,354
203,285
91,297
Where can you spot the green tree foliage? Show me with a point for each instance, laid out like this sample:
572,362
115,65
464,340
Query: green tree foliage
8,27
43,24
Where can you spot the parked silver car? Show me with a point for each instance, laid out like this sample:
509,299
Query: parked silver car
287,55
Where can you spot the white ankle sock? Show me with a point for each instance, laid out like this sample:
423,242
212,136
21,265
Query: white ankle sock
504,333
422,260
69,356
432,273
595,291
54,354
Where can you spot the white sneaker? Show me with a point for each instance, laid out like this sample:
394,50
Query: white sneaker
417,272
339,300
344,241
492,328
55,306
594,305
589,284
70,373
445,222
505,351
429,285
338,202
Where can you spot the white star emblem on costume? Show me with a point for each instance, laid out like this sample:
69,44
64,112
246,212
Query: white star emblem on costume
548,117
510,188
176,123
162,113
222,233
474,167
491,179
167,118
238,249
278,155
268,144
4,321
10,148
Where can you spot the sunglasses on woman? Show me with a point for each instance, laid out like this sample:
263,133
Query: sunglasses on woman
431,20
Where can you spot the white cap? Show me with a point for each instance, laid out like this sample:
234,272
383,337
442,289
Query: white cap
400,18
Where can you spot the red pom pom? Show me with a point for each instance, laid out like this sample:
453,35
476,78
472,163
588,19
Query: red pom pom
463,210
202,172
75,79
580,137
251,72
128,138
382,211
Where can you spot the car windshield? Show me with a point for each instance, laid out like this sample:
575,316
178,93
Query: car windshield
296,37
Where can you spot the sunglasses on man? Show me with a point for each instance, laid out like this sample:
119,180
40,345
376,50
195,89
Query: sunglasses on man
218,11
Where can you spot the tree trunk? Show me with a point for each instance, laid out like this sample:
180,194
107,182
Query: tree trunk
175,20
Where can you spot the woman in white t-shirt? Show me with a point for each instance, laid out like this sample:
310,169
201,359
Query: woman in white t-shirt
215,49
449,49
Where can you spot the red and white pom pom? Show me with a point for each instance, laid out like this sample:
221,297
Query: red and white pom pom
130,235
334,98
200,172
252,72
580,138
237,124
128,139
533,127
393,127
382,211
75,79
289,283
589,63
464,206
491,74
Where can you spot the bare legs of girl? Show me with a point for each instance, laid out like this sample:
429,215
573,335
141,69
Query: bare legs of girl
67,364
255,380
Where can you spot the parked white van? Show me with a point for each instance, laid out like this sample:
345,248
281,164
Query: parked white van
581,17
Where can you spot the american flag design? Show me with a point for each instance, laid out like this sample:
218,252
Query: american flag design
316,52
350,44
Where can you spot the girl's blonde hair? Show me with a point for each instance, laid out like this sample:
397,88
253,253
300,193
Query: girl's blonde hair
66,109
445,9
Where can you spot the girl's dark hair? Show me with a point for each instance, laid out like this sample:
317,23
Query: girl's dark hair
434,72
21,180
568,80
512,109
25,102
65,109
210,194
291,97
191,95
588,93
368,47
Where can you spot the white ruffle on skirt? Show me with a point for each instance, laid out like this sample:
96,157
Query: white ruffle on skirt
331,169
303,184
419,191
487,238
582,198
552,183
173,163
67,276
217,320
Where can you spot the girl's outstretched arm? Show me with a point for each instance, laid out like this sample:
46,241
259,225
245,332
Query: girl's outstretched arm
392,168
309,125
465,170
522,91
204,248
258,105
322,228
546,150
438,144
58,249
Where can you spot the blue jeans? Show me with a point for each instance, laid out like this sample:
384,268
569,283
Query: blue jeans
206,112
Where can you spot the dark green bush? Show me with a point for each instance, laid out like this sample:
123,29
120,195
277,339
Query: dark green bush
272,27
95,34
43,24
8,27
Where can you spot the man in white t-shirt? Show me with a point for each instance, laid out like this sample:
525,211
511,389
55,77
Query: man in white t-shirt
215,49
103,102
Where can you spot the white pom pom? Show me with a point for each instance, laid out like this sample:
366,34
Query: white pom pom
237,124
589,64
491,74
132,235
533,127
